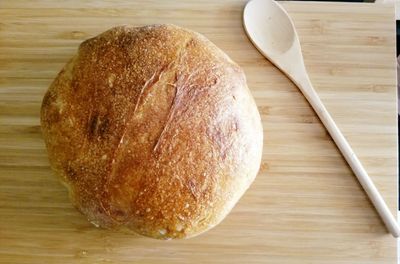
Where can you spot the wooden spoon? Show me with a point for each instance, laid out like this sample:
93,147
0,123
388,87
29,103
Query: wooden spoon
272,31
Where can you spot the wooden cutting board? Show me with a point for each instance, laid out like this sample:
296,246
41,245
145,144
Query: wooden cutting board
305,205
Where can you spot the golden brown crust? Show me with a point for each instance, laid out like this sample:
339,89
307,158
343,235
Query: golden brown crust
152,128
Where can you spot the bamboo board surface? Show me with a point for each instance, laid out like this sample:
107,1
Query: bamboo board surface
305,205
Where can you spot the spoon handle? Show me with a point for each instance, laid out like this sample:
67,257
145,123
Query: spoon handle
351,158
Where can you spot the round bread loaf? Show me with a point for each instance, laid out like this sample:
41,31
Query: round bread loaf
152,128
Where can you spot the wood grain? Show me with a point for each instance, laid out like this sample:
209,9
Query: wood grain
305,206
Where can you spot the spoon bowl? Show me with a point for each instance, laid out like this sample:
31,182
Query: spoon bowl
277,34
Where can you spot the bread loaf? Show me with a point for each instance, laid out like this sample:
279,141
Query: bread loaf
154,129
